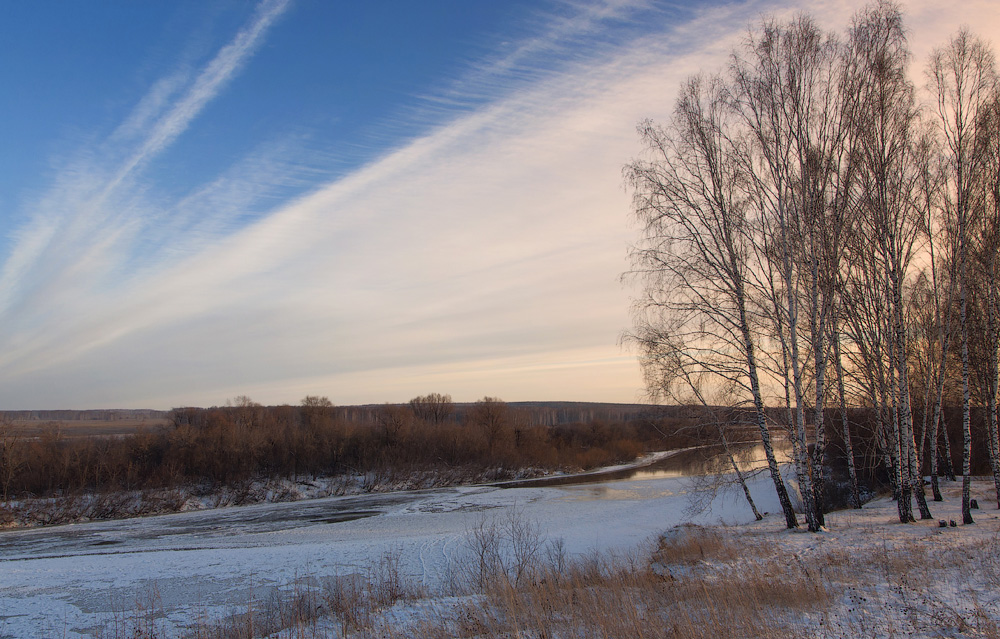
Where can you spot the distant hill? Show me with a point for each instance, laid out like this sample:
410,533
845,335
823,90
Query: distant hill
539,413
542,413
103,415
552,413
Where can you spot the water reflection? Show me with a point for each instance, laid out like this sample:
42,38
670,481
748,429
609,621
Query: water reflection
691,462
596,492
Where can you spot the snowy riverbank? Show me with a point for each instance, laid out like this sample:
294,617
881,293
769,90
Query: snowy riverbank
72,581
126,504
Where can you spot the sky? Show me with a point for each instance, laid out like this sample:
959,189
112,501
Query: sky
366,201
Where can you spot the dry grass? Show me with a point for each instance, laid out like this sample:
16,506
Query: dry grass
617,598
309,608
694,584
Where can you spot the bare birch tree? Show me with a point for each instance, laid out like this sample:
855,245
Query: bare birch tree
696,251
938,284
889,153
963,79
787,88
672,375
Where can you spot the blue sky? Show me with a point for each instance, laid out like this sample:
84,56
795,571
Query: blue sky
367,201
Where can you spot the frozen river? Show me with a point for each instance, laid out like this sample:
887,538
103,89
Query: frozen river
67,581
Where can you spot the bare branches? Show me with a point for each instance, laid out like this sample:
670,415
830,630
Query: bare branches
794,207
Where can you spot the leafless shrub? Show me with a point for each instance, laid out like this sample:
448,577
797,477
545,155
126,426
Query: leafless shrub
556,556
163,501
504,547
386,583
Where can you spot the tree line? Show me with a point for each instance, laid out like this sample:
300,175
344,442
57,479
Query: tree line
244,440
818,233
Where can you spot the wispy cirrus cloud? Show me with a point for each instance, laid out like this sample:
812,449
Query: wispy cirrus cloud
573,34
78,240
212,79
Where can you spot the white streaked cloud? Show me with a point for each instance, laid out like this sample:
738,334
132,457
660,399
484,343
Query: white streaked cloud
212,79
481,258
78,245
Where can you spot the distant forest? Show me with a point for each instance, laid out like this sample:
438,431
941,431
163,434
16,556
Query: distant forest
244,441
540,413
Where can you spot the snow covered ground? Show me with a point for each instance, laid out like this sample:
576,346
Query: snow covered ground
68,581
76,581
